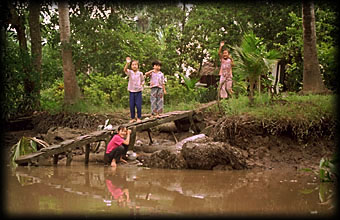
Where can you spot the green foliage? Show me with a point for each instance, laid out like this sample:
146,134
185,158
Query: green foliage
252,57
52,68
52,97
25,145
176,92
102,35
327,169
292,47
190,83
100,90
253,60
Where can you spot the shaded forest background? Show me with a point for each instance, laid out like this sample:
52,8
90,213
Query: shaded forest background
184,36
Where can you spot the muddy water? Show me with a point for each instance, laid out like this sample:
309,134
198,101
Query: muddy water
96,190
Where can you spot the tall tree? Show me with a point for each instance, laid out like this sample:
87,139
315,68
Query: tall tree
18,22
36,48
71,88
312,80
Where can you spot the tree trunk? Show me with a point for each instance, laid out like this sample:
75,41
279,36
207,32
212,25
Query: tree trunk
18,23
312,80
71,88
182,42
36,49
252,83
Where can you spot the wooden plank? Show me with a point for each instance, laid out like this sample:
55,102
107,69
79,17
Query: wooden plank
155,122
27,158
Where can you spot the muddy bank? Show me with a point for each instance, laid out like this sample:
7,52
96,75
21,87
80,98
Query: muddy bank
229,142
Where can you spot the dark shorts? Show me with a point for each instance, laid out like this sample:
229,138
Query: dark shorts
115,154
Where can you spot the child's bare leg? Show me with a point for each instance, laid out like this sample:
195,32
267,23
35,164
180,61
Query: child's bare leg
113,163
230,92
121,159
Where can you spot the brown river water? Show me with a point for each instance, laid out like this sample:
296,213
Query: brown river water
95,190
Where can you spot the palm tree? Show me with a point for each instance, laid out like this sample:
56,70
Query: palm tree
253,60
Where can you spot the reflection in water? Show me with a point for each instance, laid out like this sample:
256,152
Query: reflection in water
118,187
97,190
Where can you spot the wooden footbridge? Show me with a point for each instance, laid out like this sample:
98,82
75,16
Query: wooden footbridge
67,146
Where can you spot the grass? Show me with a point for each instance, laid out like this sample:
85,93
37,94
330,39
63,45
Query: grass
285,107
86,107
311,107
302,116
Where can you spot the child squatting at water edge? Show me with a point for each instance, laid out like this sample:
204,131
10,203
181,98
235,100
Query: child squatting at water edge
117,147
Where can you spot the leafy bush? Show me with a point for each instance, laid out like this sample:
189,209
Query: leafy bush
327,170
103,90
52,98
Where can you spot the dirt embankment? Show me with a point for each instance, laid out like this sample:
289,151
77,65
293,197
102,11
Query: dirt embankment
254,142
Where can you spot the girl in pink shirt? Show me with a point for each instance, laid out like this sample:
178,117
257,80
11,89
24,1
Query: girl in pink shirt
115,149
226,75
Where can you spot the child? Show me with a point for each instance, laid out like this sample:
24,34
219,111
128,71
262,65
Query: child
135,87
115,149
158,91
226,74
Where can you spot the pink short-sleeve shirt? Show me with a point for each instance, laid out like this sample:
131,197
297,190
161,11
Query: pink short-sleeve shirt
136,80
226,70
157,79
115,142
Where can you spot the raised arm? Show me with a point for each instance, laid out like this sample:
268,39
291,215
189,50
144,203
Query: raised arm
147,74
128,61
220,49
232,61
127,140
142,80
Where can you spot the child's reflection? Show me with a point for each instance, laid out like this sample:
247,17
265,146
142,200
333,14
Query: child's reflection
117,185
119,194
118,191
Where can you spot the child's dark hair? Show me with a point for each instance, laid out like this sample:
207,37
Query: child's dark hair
156,62
135,61
121,127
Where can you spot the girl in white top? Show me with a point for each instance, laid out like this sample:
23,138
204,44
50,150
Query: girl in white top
135,87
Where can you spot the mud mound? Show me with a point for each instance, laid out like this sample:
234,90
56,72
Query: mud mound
231,128
44,121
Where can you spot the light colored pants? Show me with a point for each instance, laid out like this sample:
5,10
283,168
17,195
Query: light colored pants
225,85
157,100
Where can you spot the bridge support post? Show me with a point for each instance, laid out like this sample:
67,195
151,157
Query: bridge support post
87,154
150,138
132,138
55,159
69,158
192,123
